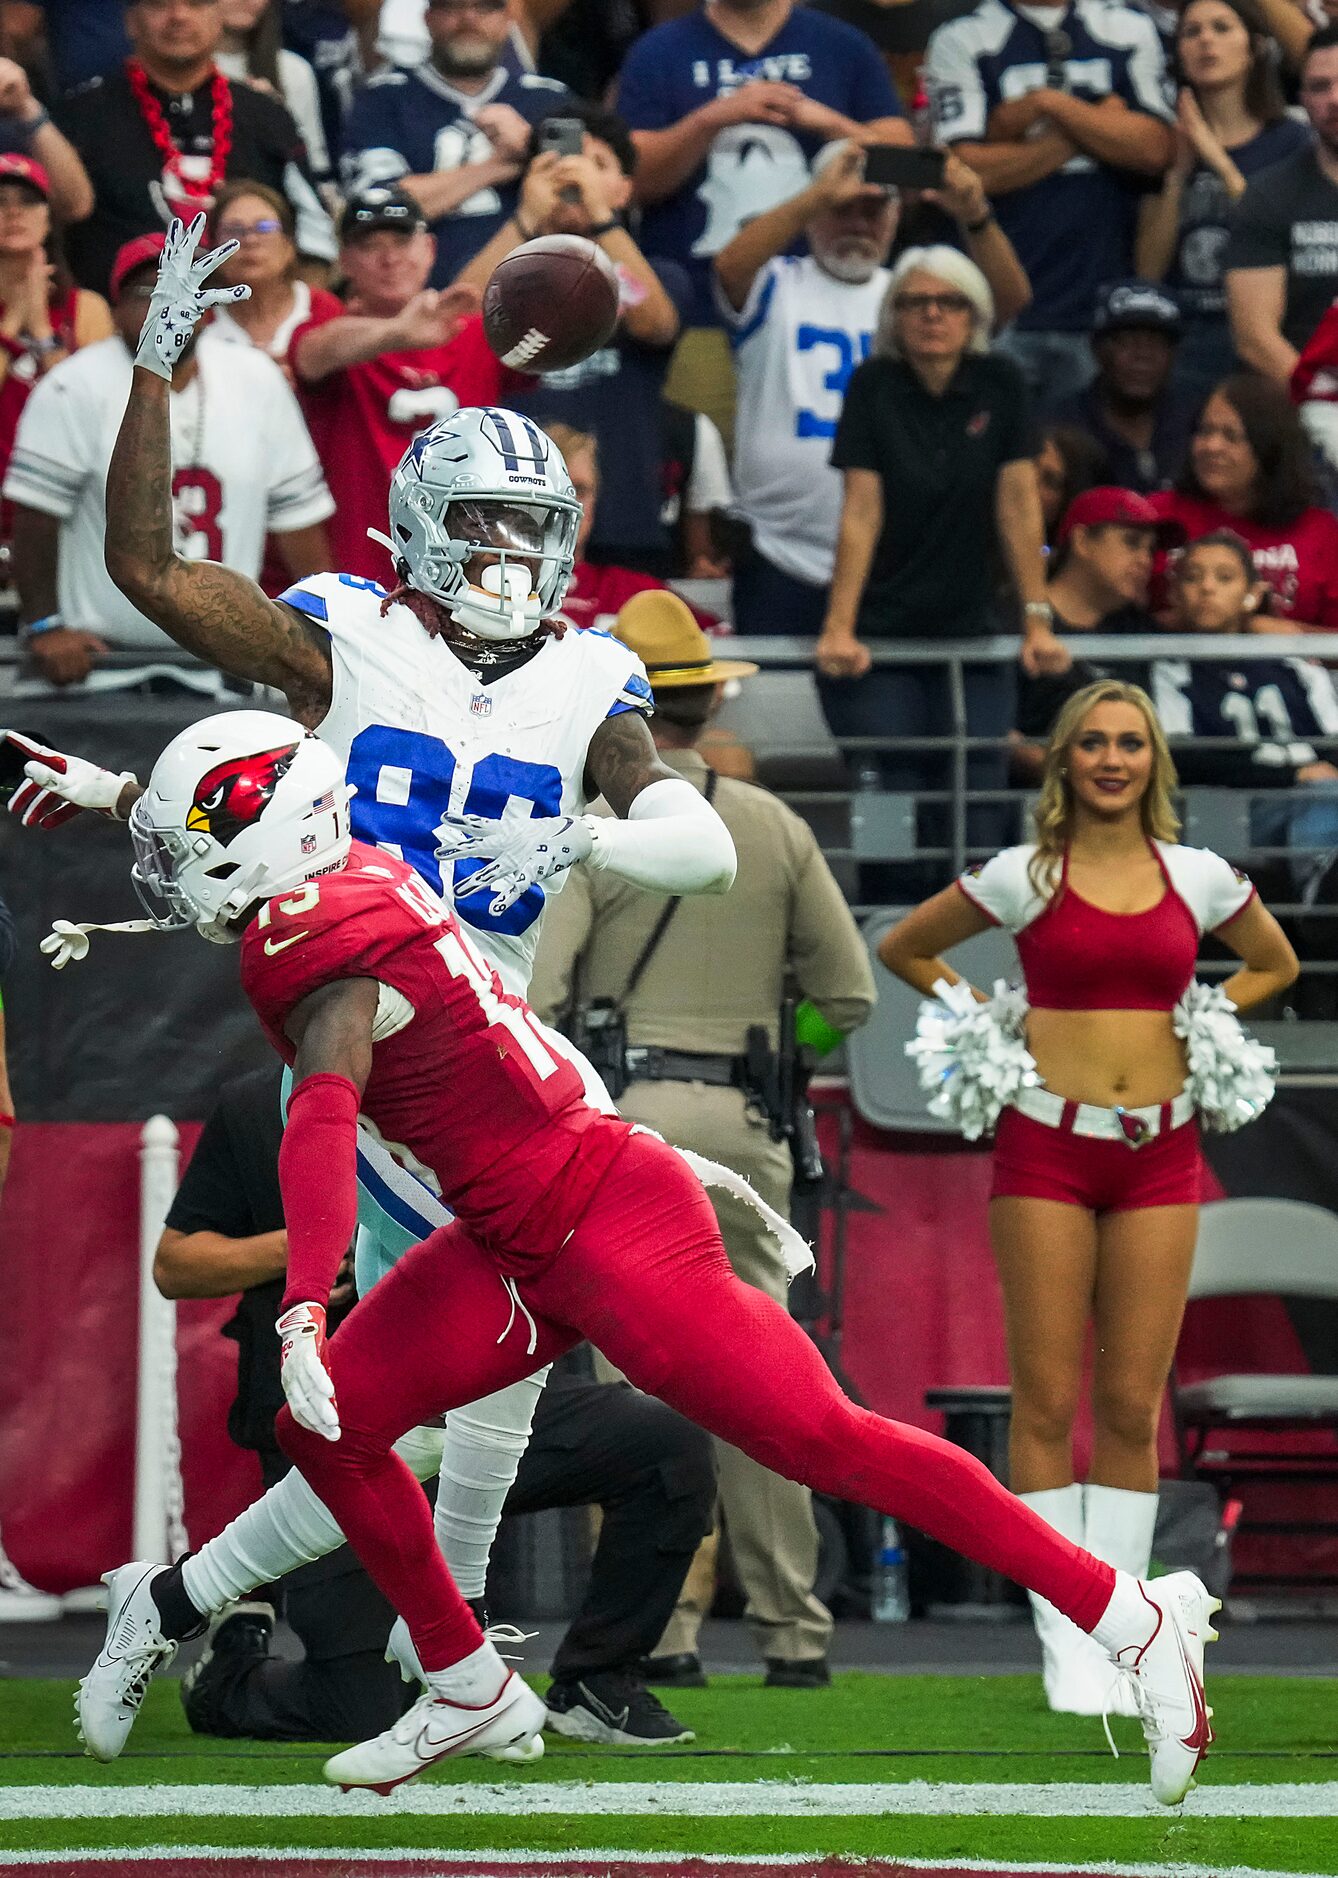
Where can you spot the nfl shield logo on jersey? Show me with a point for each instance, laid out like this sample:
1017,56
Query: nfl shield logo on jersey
481,706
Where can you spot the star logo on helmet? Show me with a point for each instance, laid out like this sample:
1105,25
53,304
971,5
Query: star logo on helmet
234,795
418,449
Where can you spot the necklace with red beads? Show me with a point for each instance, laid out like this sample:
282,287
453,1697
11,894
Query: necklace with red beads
202,192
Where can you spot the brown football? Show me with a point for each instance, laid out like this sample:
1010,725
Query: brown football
550,303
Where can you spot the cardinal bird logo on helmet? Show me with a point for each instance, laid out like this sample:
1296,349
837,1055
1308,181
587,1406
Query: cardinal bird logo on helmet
235,794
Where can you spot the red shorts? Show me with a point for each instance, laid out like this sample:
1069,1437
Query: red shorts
1041,1163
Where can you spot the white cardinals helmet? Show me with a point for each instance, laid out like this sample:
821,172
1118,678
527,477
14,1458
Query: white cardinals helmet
239,807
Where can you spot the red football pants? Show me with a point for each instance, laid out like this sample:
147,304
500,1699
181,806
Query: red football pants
644,1276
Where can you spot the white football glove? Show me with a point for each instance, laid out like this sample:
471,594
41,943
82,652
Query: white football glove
303,1372
518,855
180,298
59,786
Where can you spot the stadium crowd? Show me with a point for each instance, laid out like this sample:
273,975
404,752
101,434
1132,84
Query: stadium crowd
1110,266
1027,328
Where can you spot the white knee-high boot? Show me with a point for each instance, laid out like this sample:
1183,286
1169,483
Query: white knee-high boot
1076,1671
1118,1525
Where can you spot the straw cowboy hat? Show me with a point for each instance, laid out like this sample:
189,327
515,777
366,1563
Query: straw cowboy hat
660,629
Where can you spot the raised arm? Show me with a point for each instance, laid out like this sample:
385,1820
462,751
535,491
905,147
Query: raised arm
213,611
774,231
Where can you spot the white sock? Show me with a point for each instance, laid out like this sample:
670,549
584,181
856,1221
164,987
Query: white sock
1128,1618
475,1679
483,1446
287,1527
1118,1527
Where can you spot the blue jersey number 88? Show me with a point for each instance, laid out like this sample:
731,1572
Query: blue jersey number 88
425,769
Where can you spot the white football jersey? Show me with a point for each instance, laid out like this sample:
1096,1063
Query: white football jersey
423,739
243,466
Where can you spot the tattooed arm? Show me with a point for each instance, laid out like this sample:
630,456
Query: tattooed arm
669,839
216,613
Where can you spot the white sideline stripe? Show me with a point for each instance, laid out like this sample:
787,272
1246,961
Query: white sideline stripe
753,1799
526,1861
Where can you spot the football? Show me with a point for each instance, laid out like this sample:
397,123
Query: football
550,303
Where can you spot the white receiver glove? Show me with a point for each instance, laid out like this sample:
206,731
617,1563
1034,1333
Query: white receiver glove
59,786
516,855
180,298
303,1373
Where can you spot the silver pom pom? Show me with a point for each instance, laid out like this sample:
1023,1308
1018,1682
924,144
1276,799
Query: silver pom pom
972,1057
1231,1076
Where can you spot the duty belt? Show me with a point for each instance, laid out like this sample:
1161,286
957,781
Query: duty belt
648,1063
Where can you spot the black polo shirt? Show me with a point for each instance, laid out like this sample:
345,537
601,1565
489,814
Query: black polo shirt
231,1186
933,572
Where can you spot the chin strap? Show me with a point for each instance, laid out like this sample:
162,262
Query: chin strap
68,941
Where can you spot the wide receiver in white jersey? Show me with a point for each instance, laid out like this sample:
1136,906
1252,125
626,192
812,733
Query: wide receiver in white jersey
474,734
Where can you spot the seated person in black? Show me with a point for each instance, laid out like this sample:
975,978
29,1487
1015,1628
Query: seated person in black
594,1444
1098,583
1270,707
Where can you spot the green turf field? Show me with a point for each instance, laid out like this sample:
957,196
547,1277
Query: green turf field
877,1765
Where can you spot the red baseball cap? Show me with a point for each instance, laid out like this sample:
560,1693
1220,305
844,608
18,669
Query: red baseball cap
25,169
1108,505
132,255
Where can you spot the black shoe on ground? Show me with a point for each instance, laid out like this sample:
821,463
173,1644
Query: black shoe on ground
614,1707
811,1672
239,1637
683,1671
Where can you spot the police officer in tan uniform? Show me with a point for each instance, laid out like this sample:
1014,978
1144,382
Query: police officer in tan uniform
717,968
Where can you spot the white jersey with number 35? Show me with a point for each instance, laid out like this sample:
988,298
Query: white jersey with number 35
423,739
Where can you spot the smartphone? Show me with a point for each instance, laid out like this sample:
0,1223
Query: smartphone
903,166
564,136
12,761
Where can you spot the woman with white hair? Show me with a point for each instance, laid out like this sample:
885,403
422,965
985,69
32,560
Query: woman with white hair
935,448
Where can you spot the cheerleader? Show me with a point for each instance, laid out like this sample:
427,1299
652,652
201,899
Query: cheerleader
1094,1202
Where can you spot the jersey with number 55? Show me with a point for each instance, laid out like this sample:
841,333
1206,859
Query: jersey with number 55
423,739
467,1089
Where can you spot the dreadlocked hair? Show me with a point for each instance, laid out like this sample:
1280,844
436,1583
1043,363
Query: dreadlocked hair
434,619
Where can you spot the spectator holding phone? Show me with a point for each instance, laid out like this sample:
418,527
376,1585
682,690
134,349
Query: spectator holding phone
454,133
578,181
719,143
799,325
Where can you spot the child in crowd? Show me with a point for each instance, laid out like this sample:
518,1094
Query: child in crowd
1272,707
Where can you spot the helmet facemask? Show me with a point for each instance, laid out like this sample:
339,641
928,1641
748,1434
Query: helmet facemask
483,519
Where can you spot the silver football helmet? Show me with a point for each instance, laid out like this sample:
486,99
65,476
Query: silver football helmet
486,483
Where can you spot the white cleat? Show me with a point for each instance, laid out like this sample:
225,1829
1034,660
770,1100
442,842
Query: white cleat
400,1651
436,1728
133,1652
1166,1671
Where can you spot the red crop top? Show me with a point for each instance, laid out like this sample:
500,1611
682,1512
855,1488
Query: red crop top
1078,957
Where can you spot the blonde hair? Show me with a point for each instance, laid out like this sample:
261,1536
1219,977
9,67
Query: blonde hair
948,264
1052,815
572,442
